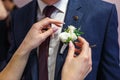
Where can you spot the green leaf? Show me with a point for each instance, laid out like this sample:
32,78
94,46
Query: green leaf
67,30
78,32
68,40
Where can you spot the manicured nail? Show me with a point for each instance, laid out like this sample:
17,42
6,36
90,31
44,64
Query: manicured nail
70,44
55,29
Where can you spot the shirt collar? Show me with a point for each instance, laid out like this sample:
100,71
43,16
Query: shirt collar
60,5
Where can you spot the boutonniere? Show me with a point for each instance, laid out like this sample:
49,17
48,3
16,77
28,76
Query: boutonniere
69,34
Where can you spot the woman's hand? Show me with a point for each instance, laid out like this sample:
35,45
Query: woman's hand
37,34
34,38
77,67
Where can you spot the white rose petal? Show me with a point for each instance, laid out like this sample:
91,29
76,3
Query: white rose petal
71,28
73,36
64,36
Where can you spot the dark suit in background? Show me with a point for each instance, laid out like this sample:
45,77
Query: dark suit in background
4,43
5,38
98,20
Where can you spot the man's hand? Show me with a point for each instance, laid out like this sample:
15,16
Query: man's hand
77,67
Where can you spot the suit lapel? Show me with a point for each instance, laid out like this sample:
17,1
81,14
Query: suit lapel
33,56
73,14
32,18
73,17
26,18
29,21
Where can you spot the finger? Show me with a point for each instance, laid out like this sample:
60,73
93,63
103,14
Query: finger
75,55
43,31
90,61
77,51
90,69
47,21
58,25
70,51
90,57
46,27
85,46
53,35
49,32
78,44
81,40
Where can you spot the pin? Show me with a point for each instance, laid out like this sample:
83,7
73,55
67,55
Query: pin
92,46
75,18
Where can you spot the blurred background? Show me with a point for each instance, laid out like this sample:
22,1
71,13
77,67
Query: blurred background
21,3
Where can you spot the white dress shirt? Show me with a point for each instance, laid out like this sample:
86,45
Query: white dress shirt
58,14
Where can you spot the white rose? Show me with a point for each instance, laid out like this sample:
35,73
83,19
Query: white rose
73,36
71,28
64,36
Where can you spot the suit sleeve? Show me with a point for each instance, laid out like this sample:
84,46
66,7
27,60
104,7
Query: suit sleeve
109,65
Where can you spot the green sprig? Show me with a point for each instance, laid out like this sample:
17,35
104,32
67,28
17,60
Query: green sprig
67,30
78,32
68,40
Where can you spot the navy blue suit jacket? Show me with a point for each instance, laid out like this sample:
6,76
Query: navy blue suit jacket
98,21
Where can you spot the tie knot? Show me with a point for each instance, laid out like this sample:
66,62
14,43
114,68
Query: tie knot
48,10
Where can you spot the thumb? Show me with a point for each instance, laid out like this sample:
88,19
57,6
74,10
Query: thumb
70,51
49,32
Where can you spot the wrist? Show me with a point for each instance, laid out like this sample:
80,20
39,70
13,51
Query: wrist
24,49
72,77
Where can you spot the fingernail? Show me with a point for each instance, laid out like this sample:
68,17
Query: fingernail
55,29
78,36
70,44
